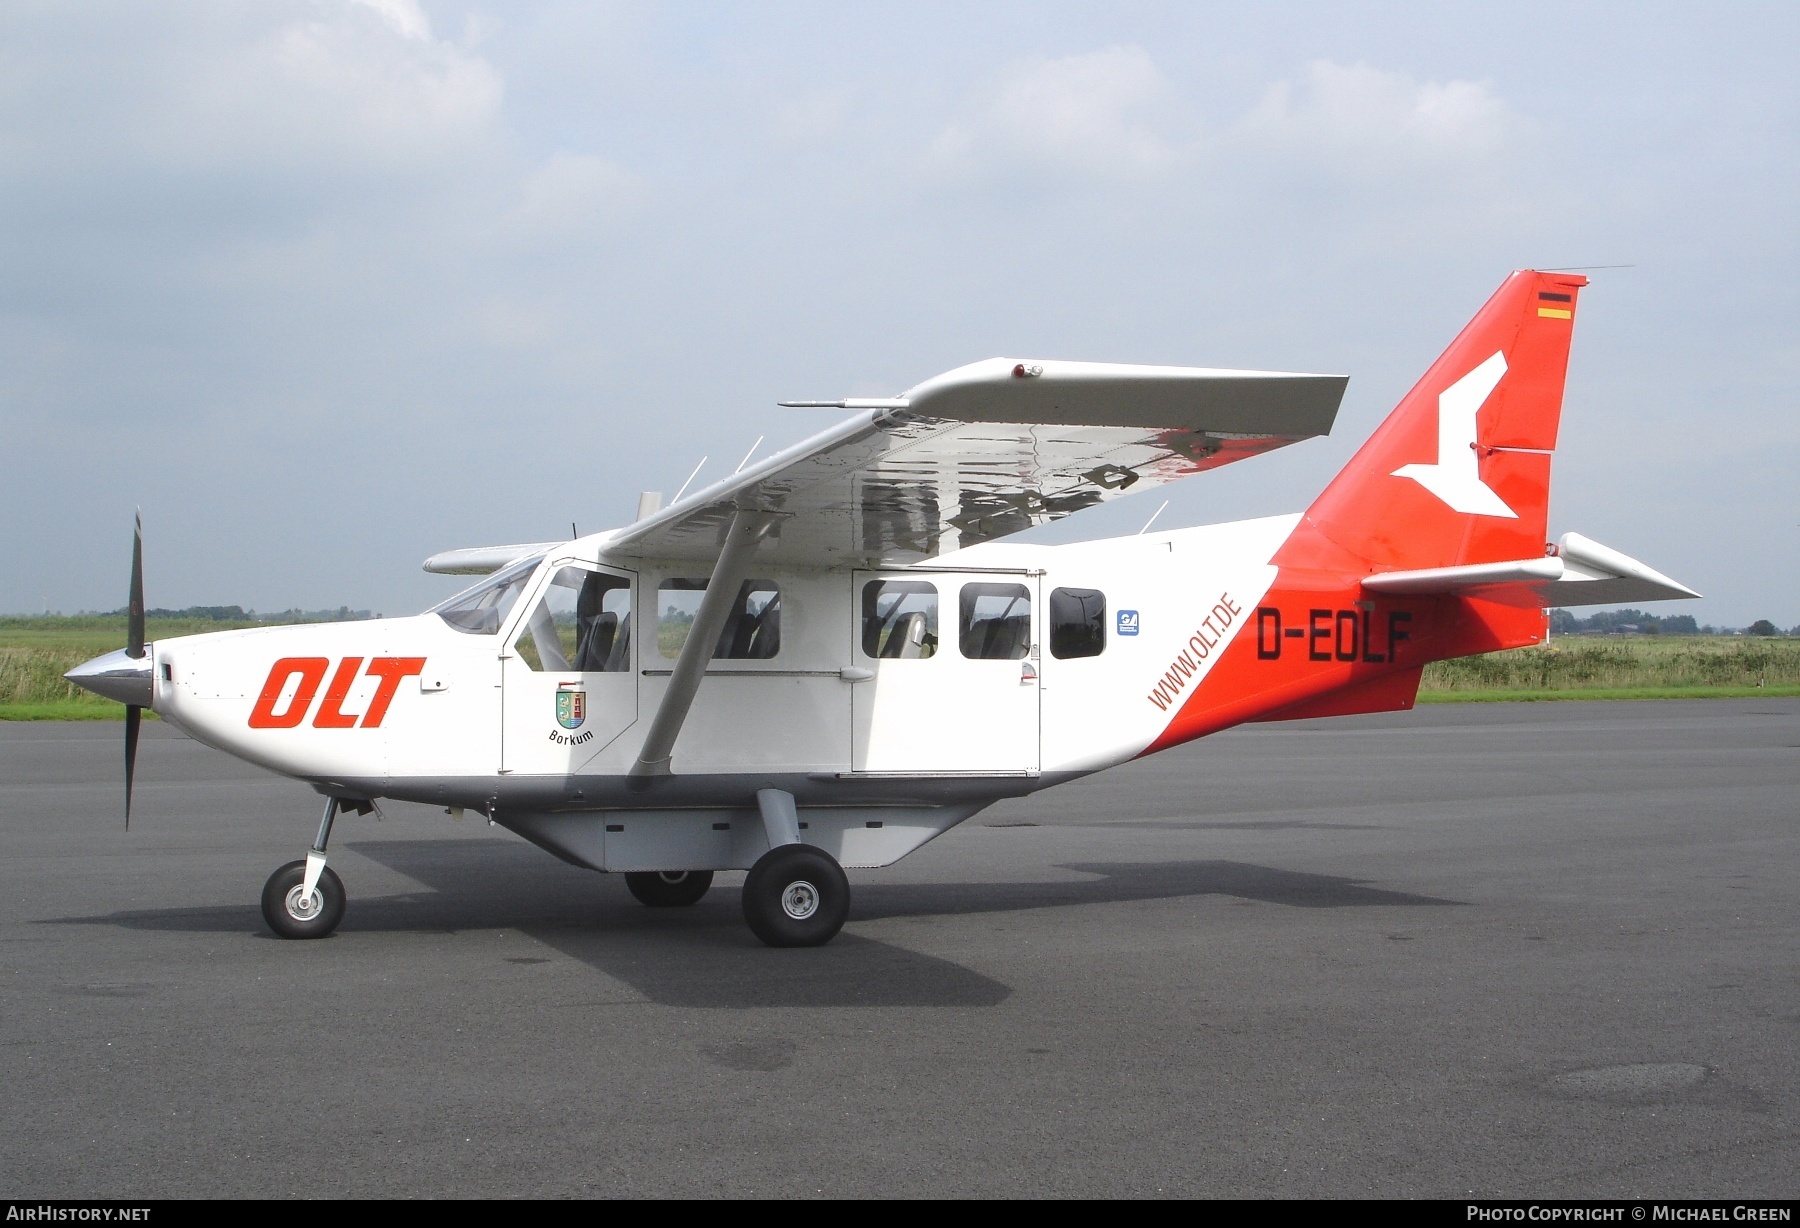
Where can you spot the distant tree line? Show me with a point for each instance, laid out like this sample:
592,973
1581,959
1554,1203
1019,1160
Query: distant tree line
1642,622
238,614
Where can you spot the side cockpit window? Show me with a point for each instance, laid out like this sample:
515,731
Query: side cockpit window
899,619
481,610
995,622
1077,622
752,630
582,624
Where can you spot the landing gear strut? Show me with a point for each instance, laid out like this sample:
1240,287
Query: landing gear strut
305,899
795,895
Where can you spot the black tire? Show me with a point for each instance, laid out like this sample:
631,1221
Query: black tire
796,896
281,896
669,888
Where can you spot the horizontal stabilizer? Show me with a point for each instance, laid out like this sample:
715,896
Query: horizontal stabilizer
1582,572
1472,575
1597,575
482,560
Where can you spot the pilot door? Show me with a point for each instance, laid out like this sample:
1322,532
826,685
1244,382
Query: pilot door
568,689
954,660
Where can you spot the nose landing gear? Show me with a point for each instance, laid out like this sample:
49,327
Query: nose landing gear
305,899
293,911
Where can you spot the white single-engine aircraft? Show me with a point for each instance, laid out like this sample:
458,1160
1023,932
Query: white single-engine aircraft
831,657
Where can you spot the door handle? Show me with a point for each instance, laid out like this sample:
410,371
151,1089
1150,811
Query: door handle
852,673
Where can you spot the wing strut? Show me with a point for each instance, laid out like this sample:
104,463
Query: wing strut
747,529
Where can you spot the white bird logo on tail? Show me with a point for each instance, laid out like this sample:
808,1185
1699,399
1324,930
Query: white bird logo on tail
1456,477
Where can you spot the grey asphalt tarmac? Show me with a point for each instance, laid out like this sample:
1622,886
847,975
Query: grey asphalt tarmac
1545,950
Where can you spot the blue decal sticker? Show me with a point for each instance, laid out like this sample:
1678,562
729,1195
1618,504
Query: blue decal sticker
1128,622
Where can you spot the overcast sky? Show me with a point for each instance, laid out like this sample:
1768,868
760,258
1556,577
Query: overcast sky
325,286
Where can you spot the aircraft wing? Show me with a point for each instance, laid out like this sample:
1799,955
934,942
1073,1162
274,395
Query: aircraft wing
987,450
482,560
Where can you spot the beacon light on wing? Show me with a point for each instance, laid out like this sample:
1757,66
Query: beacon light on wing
835,654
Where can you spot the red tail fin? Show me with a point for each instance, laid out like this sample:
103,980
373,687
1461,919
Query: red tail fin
1460,471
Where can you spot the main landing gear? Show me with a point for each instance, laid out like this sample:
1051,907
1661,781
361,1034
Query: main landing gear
669,888
796,896
305,899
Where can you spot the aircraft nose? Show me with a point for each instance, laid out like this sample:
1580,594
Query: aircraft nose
117,675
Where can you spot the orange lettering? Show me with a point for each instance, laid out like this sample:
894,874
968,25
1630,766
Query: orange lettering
330,714
311,671
390,670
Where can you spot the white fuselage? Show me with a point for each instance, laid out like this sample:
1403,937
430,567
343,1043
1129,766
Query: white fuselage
841,712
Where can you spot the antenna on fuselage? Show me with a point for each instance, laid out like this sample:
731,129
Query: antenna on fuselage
690,480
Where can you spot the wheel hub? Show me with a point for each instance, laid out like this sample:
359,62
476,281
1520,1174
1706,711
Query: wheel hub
800,900
304,909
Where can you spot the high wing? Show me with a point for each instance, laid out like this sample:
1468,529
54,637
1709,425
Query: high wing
482,560
987,450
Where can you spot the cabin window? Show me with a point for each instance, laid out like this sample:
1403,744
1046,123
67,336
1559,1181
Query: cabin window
996,622
481,610
1077,622
899,619
752,630
582,624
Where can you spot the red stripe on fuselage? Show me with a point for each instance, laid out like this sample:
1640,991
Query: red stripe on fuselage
1349,639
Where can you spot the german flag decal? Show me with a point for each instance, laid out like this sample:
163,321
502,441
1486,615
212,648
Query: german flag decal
1556,313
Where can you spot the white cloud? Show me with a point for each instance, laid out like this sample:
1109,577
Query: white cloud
573,194
817,117
404,16
1357,120
1113,113
1092,112
298,93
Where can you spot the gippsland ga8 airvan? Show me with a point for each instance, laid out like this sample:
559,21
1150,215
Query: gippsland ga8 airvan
836,655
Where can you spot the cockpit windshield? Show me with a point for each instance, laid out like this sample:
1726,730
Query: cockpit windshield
481,610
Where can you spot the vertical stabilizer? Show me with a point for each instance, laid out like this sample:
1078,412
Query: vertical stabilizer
1460,471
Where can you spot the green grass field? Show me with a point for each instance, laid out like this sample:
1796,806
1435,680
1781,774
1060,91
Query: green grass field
36,652
1621,667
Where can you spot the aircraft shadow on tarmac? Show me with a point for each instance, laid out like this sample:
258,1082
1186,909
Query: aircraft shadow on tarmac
703,957
1128,881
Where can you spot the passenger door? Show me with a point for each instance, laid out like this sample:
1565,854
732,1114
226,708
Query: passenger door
773,698
568,688
954,664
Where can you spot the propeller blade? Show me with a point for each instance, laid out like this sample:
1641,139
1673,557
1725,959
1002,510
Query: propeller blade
133,715
134,634
134,648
